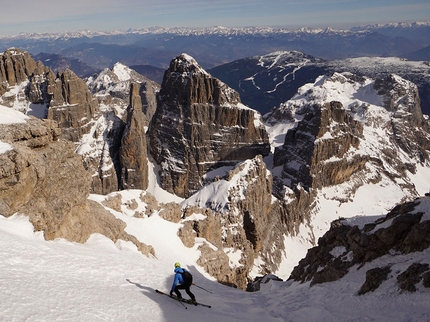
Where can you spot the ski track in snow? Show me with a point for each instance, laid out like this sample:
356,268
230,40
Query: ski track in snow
293,73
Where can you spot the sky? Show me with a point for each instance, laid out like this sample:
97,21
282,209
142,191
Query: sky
107,15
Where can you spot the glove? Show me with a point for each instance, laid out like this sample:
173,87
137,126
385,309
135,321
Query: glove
171,293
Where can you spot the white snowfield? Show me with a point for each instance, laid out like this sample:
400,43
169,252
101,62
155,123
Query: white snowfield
100,281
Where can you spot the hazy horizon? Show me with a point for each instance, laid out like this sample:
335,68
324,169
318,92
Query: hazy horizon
25,16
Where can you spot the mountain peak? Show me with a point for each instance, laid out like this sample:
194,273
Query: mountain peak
123,72
186,65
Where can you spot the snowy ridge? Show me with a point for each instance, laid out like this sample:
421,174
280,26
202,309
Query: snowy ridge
359,196
373,65
180,31
403,25
115,80
215,30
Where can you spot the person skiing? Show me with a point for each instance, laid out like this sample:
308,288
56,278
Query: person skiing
182,281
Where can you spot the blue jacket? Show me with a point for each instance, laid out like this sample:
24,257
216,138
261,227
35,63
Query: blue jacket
178,277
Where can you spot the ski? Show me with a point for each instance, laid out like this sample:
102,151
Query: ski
159,292
182,300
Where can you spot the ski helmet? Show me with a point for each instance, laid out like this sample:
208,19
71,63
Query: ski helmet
177,265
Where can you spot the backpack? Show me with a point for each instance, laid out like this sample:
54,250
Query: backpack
188,278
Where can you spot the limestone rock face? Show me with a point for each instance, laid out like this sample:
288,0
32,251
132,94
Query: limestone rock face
43,178
96,123
64,97
405,230
133,151
200,124
350,131
28,184
323,149
71,104
123,96
249,225
401,98
22,169
306,151
112,87
15,67
99,150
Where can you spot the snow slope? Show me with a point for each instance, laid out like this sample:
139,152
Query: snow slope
100,281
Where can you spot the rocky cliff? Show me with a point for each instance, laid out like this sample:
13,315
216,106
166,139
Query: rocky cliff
133,154
96,123
34,89
200,124
112,88
342,139
325,133
127,101
43,178
378,248
241,219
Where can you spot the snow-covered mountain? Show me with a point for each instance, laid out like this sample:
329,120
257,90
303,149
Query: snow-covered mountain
217,45
343,145
266,81
215,30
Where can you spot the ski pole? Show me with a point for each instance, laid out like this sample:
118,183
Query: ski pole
202,288
185,307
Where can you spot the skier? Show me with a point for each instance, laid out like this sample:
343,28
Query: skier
185,279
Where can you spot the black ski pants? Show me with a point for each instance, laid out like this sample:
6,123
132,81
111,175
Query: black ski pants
185,287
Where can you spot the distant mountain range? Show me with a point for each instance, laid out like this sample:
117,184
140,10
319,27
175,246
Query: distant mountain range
219,45
265,65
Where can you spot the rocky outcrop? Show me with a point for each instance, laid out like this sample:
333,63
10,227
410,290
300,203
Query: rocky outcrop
71,104
15,67
133,155
98,132
314,153
43,178
344,135
323,148
401,98
128,101
405,230
200,124
112,87
63,97
248,225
